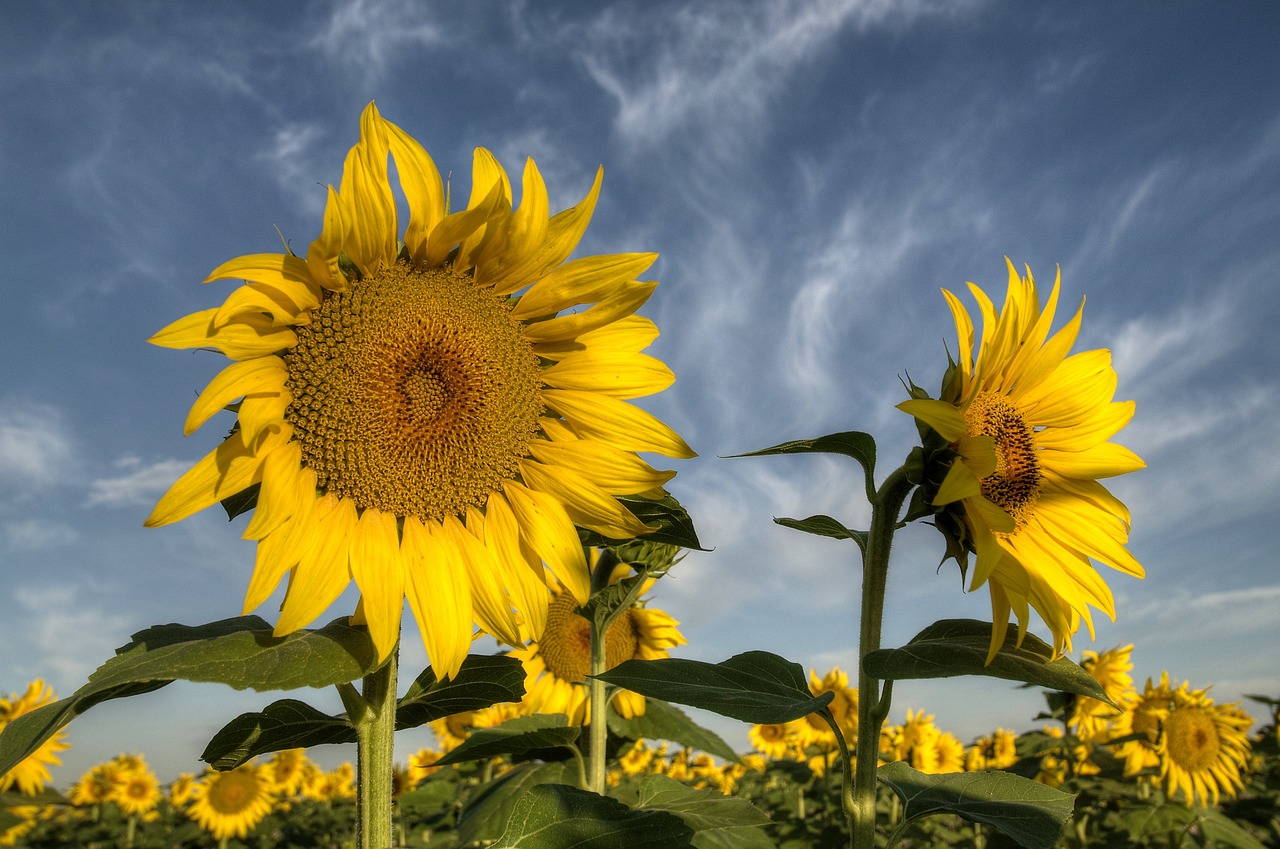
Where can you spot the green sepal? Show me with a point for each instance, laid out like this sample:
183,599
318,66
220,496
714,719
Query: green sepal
285,724
555,816
718,821
664,721
852,443
1028,812
825,526
673,524
239,652
953,647
520,736
755,686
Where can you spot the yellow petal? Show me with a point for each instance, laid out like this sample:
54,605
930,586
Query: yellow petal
262,375
964,331
960,483
261,412
420,180
283,271
1101,461
489,602
546,527
619,375
585,503
439,595
523,232
366,193
322,255
622,303
615,471
1100,425
378,572
284,305
221,473
487,174
456,227
630,334
288,544
242,337
525,580
277,496
616,422
321,575
583,281
943,417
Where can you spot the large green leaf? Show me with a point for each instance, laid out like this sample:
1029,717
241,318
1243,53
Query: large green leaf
482,681
1029,812
240,652
860,446
718,821
755,686
286,724
825,526
556,816
673,524
954,647
663,721
485,816
518,736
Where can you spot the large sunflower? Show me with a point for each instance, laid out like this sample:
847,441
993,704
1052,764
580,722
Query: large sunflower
1028,426
414,411
1202,747
31,774
231,804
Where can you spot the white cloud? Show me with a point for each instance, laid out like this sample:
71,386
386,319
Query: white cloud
36,449
71,636
368,35
36,534
139,487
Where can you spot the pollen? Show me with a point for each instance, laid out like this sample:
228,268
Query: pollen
1014,486
565,646
415,392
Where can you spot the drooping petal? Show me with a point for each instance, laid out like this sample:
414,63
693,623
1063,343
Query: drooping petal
439,595
547,528
489,600
224,471
262,375
324,571
526,579
378,571
616,422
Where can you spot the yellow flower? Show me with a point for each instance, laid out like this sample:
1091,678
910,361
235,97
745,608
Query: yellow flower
28,816
1203,747
1028,427
422,764
232,803
94,786
843,707
286,771
417,415
1091,718
31,773
1142,721
999,751
182,790
779,740
556,666
637,759
137,792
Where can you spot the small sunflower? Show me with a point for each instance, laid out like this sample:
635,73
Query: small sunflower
31,774
182,790
557,665
1090,718
94,786
998,751
286,771
422,764
232,803
1203,748
416,413
1027,426
1142,721
138,792
843,707
779,741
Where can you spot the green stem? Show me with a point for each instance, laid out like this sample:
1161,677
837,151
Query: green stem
374,718
598,727
873,705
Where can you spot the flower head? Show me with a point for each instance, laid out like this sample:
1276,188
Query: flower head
414,411
1025,427
31,774
1202,748
232,803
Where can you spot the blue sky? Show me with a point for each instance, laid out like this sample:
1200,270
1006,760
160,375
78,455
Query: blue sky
812,174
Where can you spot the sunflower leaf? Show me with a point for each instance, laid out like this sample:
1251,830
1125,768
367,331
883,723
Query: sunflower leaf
718,821
1030,813
285,724
852,443
551,816
953,647
518,736
664,721
755,686
483,681
486,815
824,526
674,525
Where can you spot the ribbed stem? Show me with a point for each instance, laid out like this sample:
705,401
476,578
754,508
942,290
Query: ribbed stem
375,748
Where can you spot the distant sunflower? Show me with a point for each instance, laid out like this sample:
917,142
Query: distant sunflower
998,751
1203,747
232,803
31,774
415,411
557,665
779,740
843,707
1028,427
1090,718
138,792
1141,722
287,770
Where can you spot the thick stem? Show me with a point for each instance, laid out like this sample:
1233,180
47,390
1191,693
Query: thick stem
872,708
375,739
598,727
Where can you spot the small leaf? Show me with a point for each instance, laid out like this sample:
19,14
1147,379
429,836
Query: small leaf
954,647
674,525
481,682
860,446
486,815
718,821
556,816
1029,812
825,526
286,724
663,721
517,736
242,501
755,686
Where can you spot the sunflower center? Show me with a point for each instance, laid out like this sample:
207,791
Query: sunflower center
1192,738
415,393
565,646
233,792
1014,486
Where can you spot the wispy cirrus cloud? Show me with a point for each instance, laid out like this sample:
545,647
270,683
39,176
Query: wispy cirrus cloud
36,447
139,485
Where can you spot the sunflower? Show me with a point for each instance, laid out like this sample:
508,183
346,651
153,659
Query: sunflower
779,741
1091,718
557,665
1027,428
26,816
843,707
287,771
1202,748
31,774
414,413
998,751
137,793
1141,721
182,790
232,803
